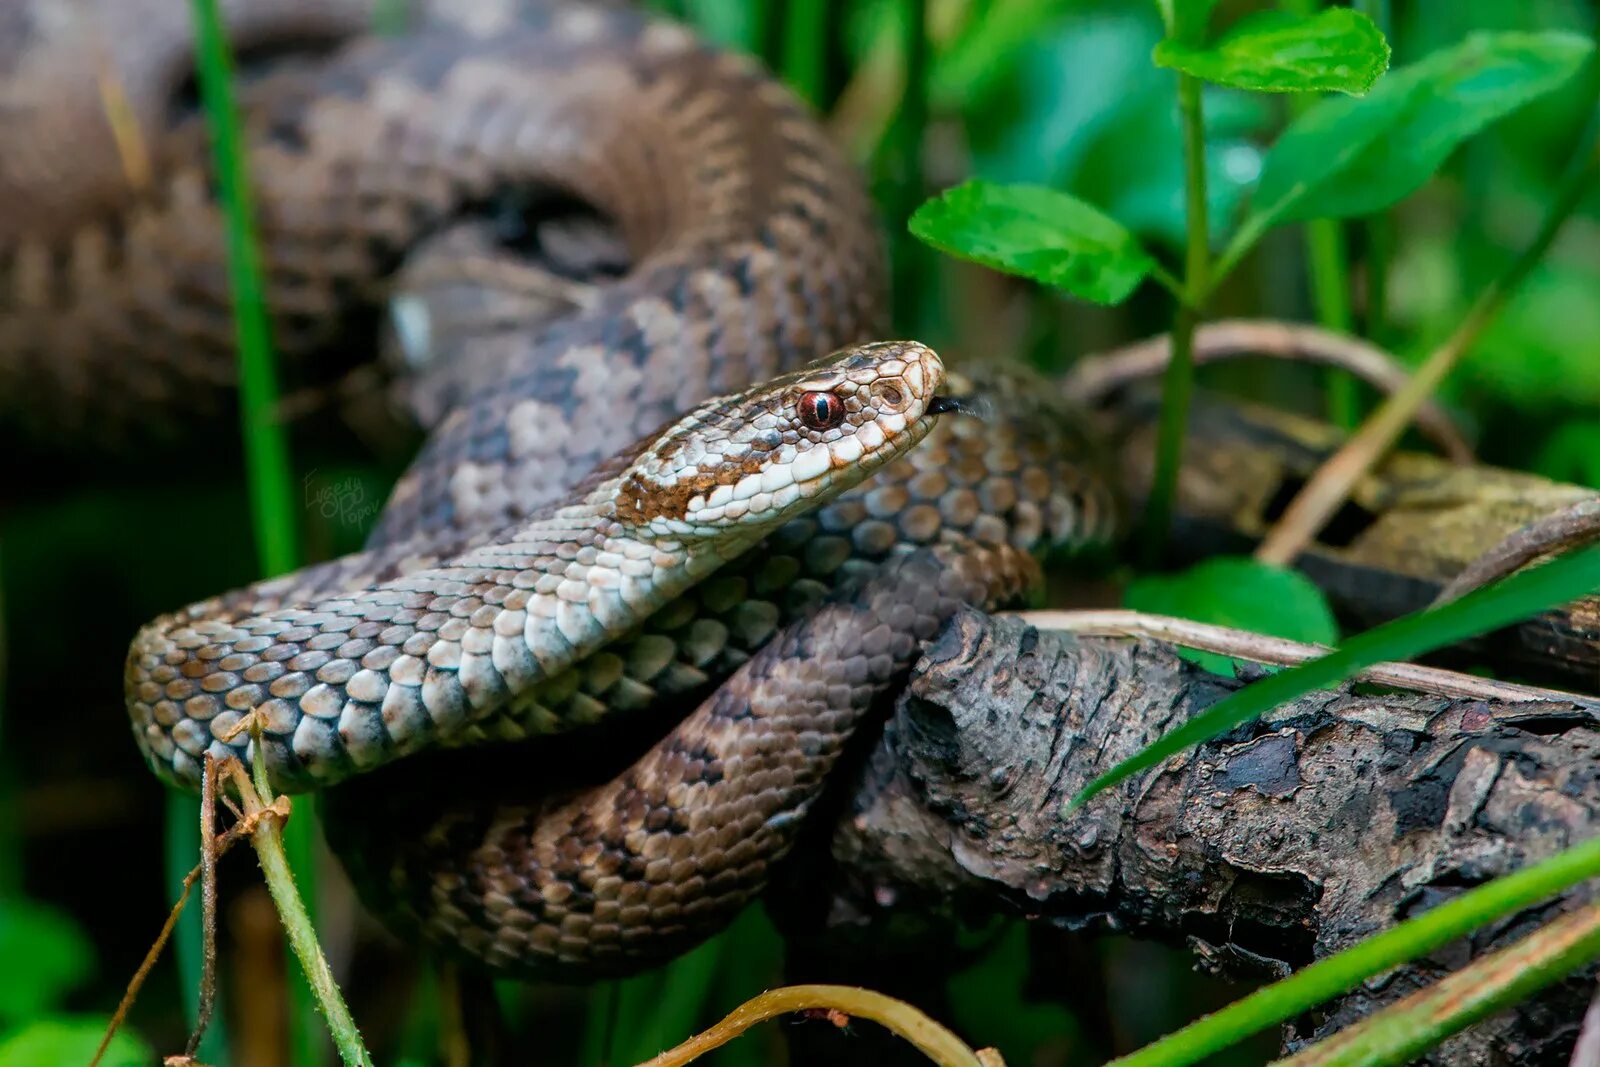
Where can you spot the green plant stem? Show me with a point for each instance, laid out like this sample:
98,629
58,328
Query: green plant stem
1178,384
266,448
1340,973
1331,484
805,50
268,841
1329,268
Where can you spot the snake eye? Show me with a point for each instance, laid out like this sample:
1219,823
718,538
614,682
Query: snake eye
821,411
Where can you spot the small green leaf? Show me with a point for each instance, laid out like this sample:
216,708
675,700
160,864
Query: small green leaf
1038,233
1481,611
1238,592
72,1039
46,956
1347,157
1336,50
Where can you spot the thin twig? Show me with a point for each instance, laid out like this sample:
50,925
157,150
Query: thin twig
1279,651
208,904
1331,484
1097,376
932,1040
137,982
1574,525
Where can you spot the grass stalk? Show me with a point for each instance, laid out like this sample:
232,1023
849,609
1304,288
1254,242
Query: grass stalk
266,447
1178,383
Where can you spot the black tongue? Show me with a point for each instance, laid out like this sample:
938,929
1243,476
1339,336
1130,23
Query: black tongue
941,405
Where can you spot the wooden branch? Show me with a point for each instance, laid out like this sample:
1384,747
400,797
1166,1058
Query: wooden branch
1279,844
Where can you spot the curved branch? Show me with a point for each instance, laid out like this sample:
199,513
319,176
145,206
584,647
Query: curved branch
1099,375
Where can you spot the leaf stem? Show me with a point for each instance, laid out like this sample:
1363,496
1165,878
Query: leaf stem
1178,383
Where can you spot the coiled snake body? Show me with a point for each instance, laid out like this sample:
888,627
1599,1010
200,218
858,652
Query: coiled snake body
504,594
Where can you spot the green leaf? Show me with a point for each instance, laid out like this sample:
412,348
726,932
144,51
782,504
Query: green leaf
1337,50
72,1039
1348,157
46,956
1283,1000
1238,592
1481,611
1038,233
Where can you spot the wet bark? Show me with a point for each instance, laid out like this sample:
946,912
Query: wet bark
1280,843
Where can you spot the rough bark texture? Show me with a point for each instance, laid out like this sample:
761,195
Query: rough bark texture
1282,842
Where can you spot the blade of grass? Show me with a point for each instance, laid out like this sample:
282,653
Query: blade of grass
1382,952
1479,612
266,448
1403,1031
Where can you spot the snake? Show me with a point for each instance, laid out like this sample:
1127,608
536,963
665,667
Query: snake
609,257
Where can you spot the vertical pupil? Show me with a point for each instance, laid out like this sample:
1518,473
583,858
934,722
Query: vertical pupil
821,411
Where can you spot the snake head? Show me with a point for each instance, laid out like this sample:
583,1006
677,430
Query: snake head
757,458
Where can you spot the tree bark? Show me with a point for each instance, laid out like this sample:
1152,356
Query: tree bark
1282,842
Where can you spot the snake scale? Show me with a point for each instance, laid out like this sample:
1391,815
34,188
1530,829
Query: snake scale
762,563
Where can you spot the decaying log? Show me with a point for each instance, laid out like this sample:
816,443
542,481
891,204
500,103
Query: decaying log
1411,525
1285,841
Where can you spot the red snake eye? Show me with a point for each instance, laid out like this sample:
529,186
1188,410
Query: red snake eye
821,411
